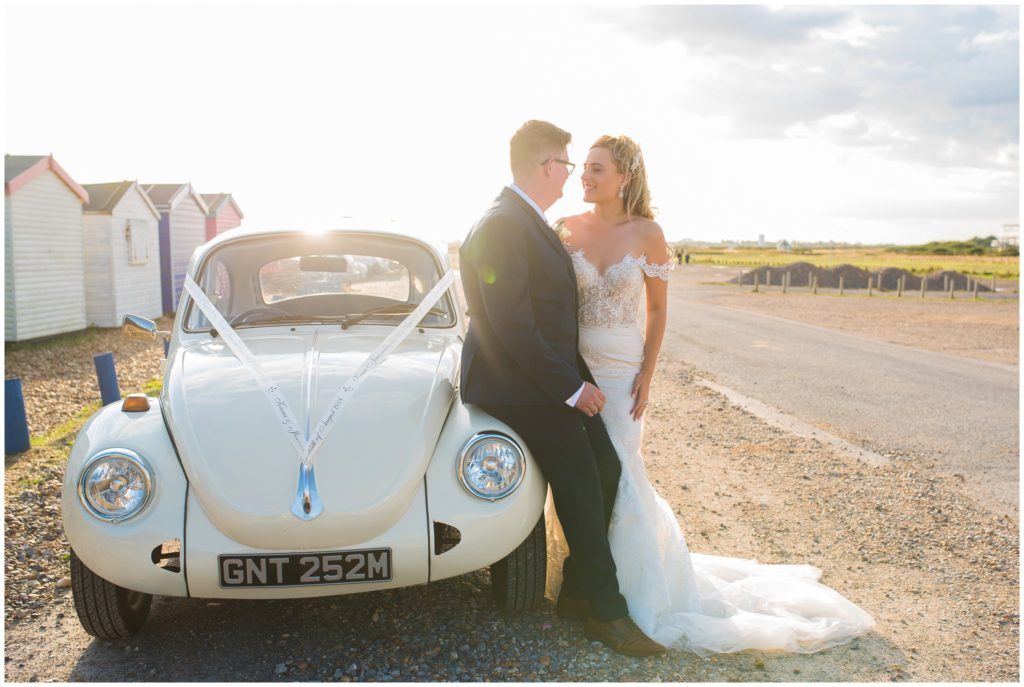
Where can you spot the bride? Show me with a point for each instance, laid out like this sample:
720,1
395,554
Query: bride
698,602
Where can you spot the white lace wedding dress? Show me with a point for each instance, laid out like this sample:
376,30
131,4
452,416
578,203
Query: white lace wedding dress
698,602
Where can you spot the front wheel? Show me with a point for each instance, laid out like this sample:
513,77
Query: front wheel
518,579
104,609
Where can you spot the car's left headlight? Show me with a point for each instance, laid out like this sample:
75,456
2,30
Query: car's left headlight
115,484
491,466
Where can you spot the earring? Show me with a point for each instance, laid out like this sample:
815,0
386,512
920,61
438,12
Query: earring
622,191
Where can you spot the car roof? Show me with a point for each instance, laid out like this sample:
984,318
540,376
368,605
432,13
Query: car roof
439,248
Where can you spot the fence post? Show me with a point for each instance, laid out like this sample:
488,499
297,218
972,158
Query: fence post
975,289
109,392
924,284
757,280
871,282
815,283
945,282
899,286
785,279
840,285
768,278
810,279
993,282
16,437
741,278
952,285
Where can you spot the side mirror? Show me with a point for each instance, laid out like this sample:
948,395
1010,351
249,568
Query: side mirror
139,327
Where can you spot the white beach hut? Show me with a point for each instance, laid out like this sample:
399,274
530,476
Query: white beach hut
182,228
122,255
44,292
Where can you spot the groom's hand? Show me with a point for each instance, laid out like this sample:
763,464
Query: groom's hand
591,401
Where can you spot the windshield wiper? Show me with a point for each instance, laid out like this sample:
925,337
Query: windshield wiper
292,319
398,309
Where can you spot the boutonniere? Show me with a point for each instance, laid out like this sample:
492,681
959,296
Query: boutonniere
561,231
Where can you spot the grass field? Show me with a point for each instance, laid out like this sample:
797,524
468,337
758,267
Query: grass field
867,258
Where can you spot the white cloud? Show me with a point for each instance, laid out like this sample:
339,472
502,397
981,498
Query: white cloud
985,39
855,33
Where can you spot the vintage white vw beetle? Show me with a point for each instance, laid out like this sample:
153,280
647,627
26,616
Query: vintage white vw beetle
309,440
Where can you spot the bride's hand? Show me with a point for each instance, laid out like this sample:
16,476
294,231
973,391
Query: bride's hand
641,390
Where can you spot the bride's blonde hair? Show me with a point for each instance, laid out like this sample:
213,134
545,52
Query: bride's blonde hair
636,196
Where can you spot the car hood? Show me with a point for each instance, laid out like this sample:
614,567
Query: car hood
244,470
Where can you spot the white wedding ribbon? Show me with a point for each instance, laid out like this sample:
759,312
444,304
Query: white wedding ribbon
307,448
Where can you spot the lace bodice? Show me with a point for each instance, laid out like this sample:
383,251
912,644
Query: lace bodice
612,300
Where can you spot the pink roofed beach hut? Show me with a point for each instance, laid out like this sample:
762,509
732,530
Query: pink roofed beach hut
44,292
182,228
224,213
122,256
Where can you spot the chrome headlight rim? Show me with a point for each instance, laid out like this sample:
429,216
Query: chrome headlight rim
464,454
132,457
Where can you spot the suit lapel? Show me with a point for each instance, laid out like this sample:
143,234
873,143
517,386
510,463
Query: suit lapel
546,231
549,235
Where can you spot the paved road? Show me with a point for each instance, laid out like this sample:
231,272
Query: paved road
961,414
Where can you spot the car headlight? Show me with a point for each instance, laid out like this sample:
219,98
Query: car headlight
115,485
491,466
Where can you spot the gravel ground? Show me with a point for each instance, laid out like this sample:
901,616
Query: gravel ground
984,329
939,574
58,377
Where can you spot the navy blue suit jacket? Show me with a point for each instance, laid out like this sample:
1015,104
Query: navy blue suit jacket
522,347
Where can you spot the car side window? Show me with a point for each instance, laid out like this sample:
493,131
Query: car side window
220,295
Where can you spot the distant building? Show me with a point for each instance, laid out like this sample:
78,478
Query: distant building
43,265
1010,237
784,246
760,240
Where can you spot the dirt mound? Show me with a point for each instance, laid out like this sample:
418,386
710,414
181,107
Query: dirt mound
885,279
853,277
940,280
888,279
798,274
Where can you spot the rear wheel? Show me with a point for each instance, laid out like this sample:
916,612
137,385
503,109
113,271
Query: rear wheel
518,579
104,609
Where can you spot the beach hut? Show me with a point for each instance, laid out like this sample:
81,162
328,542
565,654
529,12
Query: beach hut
182,228
223,214
122,255
44,290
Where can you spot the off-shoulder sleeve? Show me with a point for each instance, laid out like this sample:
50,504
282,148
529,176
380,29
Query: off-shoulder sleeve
657,270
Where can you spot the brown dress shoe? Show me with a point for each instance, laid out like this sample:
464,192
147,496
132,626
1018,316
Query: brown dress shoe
623,636
568,608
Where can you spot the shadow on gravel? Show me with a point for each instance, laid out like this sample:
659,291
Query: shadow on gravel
449,631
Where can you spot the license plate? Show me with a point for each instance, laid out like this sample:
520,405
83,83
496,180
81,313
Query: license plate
300,569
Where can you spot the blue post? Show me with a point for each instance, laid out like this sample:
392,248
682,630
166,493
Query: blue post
15,423
109,391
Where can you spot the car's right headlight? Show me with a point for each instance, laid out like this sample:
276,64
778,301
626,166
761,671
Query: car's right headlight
115,484
491,466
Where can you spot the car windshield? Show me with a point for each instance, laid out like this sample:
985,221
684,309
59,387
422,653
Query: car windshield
317,278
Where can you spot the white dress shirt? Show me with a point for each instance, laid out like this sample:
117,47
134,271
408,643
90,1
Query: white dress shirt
571,402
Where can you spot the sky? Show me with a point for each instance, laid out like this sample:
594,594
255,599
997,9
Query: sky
859,124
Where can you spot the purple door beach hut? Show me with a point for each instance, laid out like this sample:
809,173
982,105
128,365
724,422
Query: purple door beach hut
44,290
182,229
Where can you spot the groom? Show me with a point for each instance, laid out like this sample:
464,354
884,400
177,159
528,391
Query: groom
521,364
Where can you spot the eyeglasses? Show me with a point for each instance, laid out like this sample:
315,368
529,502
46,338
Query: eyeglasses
568,165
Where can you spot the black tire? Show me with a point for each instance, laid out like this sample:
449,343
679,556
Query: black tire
518,579
104,609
